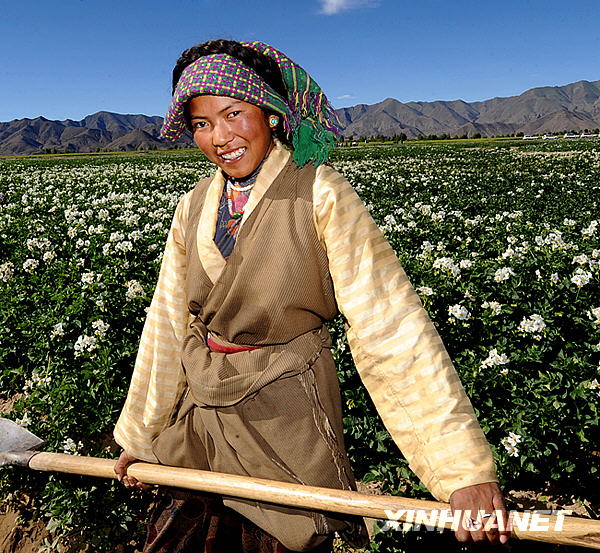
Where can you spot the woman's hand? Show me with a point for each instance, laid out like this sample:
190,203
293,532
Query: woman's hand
121,471
487,520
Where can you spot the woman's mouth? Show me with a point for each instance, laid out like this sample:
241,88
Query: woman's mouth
234,155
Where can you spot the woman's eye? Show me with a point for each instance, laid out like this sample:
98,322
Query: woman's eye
199,125
233,114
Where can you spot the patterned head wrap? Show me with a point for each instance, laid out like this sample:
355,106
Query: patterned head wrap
308,117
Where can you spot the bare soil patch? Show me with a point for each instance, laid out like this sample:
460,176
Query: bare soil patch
6,404
19,536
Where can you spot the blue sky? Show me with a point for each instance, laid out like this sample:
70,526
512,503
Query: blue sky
71,58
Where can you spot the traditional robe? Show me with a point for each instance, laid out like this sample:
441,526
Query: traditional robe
351,267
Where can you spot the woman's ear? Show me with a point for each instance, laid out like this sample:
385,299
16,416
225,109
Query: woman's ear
273,121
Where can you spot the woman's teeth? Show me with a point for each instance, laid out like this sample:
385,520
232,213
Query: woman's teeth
233,155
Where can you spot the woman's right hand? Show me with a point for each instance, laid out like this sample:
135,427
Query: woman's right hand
121,471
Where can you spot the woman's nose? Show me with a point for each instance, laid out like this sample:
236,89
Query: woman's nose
221,134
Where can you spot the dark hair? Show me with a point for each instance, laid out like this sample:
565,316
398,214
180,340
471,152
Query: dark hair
265,66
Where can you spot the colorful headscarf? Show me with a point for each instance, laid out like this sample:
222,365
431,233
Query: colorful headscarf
308,117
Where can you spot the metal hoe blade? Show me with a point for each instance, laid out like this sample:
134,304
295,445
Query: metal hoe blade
17,444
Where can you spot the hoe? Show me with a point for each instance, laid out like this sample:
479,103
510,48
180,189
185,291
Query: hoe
19,447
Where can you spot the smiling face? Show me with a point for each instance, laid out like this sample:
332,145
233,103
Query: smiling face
233,134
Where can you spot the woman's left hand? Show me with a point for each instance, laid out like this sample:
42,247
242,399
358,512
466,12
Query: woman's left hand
121,471
487,519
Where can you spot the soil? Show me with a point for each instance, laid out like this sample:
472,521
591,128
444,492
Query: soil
547,499
6,404
18,536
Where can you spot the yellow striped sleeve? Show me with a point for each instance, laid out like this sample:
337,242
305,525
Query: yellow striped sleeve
397,351
158,380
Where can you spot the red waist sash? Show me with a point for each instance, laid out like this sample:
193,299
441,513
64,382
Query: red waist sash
218,348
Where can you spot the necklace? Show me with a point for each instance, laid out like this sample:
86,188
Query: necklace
239,188
229,193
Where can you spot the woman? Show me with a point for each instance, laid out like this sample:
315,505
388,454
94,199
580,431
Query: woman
234,372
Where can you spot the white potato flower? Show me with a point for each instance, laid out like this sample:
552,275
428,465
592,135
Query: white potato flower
494,358
594,315
581,259
509,442
88,278
493,306
70,447
425,291
534,325
30,265
134,289
447,264
124,246
502,274
25,421
581,277
7,270
85,344
57,330
100,328
460,312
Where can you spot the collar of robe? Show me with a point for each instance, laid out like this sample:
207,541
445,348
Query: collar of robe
210,256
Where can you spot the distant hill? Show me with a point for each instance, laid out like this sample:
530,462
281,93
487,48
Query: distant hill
102,131
574,106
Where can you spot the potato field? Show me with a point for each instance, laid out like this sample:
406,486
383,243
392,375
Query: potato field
500,239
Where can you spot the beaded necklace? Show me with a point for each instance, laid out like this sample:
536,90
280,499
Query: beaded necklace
234,212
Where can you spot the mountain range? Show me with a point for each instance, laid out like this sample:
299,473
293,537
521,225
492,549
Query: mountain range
574,106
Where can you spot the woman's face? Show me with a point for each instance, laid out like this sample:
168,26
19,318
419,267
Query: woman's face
233,134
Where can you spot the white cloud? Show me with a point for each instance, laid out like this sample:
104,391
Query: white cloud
345,97
332,7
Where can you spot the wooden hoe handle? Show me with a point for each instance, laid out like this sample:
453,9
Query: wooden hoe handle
546,528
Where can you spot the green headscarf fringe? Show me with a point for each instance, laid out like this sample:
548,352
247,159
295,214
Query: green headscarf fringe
311,121
312,143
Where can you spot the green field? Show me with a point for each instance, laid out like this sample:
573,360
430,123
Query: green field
501,240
